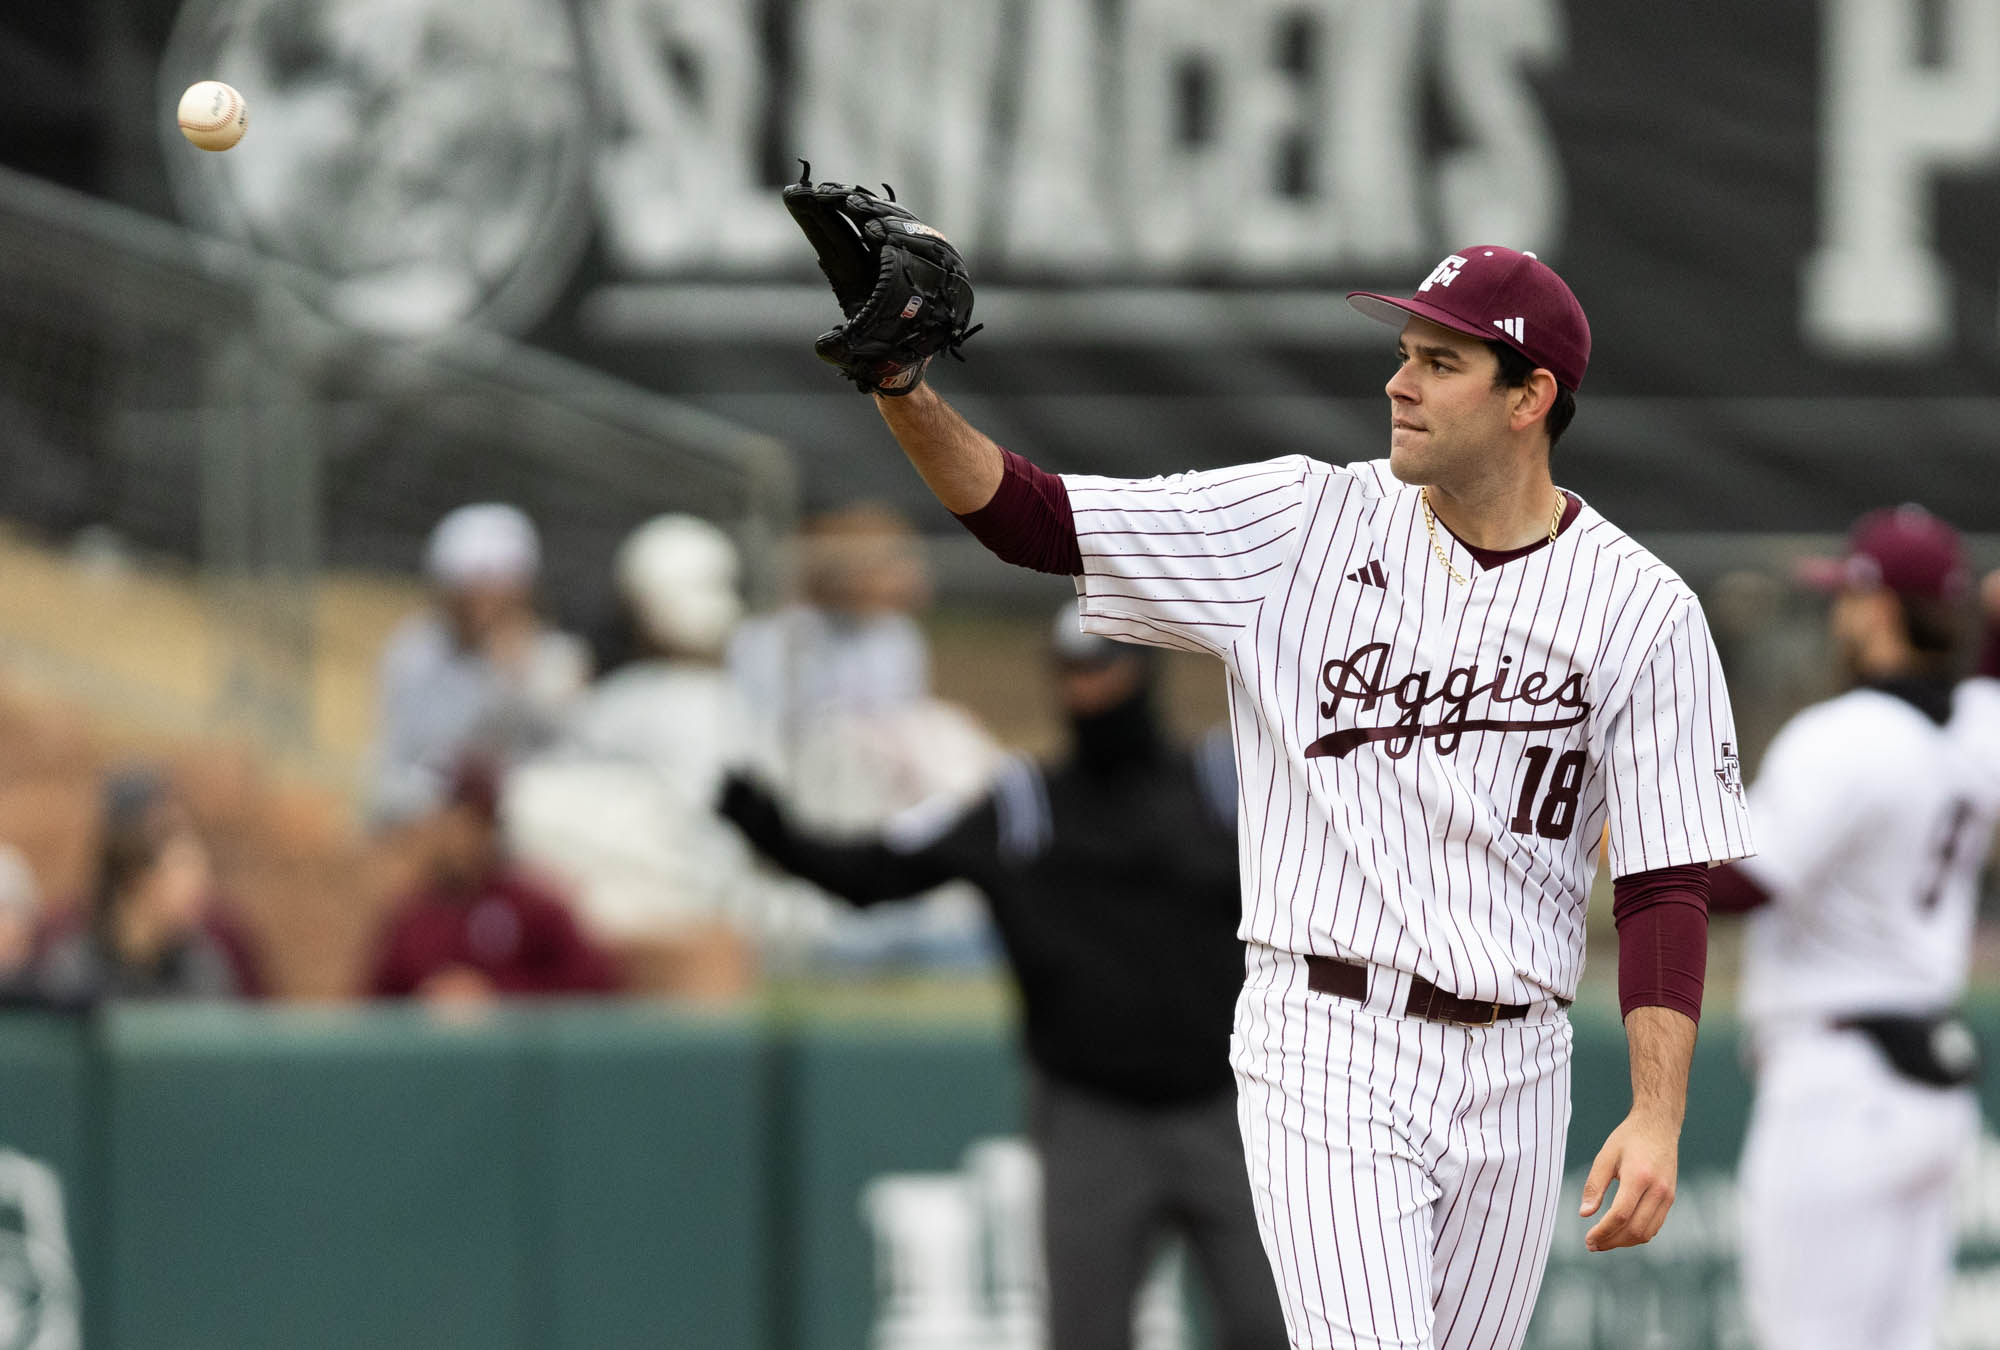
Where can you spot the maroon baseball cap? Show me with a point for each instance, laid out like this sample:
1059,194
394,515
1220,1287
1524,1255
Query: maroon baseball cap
1904,548
1491,292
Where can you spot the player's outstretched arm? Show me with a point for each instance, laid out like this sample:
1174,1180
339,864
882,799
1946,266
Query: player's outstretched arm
1643,1153
959,463
861,871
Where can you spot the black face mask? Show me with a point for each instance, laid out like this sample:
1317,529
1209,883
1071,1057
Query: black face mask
1121,737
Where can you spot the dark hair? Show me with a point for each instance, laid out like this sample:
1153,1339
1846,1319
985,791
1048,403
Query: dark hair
1935,627
1514,372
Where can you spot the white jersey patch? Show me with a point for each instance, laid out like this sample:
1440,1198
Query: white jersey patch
1425,768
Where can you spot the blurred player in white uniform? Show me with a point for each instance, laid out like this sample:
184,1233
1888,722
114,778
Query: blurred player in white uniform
618,809
1875,811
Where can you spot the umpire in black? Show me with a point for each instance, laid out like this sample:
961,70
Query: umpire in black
1112,880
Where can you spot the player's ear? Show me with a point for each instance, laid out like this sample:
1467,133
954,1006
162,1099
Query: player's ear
1530,401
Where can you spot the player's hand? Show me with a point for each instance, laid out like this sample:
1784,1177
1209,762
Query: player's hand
1643,1156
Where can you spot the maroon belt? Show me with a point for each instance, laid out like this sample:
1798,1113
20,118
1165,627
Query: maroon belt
1349,979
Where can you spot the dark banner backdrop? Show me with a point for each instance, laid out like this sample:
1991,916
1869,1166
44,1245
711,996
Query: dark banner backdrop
1780,217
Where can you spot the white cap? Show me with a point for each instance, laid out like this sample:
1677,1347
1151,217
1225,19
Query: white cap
1071,646
679,575
486,542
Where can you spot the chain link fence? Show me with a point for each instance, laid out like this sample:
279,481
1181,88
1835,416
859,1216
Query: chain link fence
168,395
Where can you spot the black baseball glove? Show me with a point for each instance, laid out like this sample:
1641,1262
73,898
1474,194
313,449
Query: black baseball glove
902,287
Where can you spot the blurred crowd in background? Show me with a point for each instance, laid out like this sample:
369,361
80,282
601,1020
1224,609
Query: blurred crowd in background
538,813
545,800
571,300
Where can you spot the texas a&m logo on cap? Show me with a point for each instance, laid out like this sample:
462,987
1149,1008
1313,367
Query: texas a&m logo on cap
1444,273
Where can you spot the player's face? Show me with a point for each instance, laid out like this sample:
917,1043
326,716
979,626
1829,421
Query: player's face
463,845
1445,415
479,610
1867,632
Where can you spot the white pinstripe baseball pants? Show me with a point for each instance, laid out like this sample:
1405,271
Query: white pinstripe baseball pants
1848,1181
1405,1172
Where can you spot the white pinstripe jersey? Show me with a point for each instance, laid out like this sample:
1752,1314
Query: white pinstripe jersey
1876,823
1425,768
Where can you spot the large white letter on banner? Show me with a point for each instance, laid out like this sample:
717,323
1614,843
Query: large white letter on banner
1182,74
1212,112
901,91
1059,160
1508,186
1372,161
1336,91
685,90
1889,122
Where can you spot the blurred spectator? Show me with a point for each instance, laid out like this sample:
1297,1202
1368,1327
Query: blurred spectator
478,928
480,672
19,900
144,932
850,645
621,809
1112,876
843,679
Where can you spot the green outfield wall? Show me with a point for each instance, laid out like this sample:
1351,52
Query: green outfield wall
624,1175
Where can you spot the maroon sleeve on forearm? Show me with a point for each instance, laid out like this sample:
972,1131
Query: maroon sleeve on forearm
1731,890
1028,522
1662,919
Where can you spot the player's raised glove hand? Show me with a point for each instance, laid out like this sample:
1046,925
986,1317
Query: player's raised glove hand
903,289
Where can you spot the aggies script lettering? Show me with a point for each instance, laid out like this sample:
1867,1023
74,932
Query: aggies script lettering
1360,677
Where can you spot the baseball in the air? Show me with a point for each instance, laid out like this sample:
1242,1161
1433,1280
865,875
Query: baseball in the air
212,115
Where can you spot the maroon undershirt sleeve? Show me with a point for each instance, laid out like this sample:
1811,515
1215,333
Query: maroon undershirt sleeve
1028,522
1662,919
1989,649
1731,890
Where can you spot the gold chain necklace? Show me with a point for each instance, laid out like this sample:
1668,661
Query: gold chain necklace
1437,547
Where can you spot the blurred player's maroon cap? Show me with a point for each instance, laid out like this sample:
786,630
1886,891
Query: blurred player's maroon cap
1905,548
1496,293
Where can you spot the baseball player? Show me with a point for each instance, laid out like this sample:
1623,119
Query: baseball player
1446,678
1875,812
